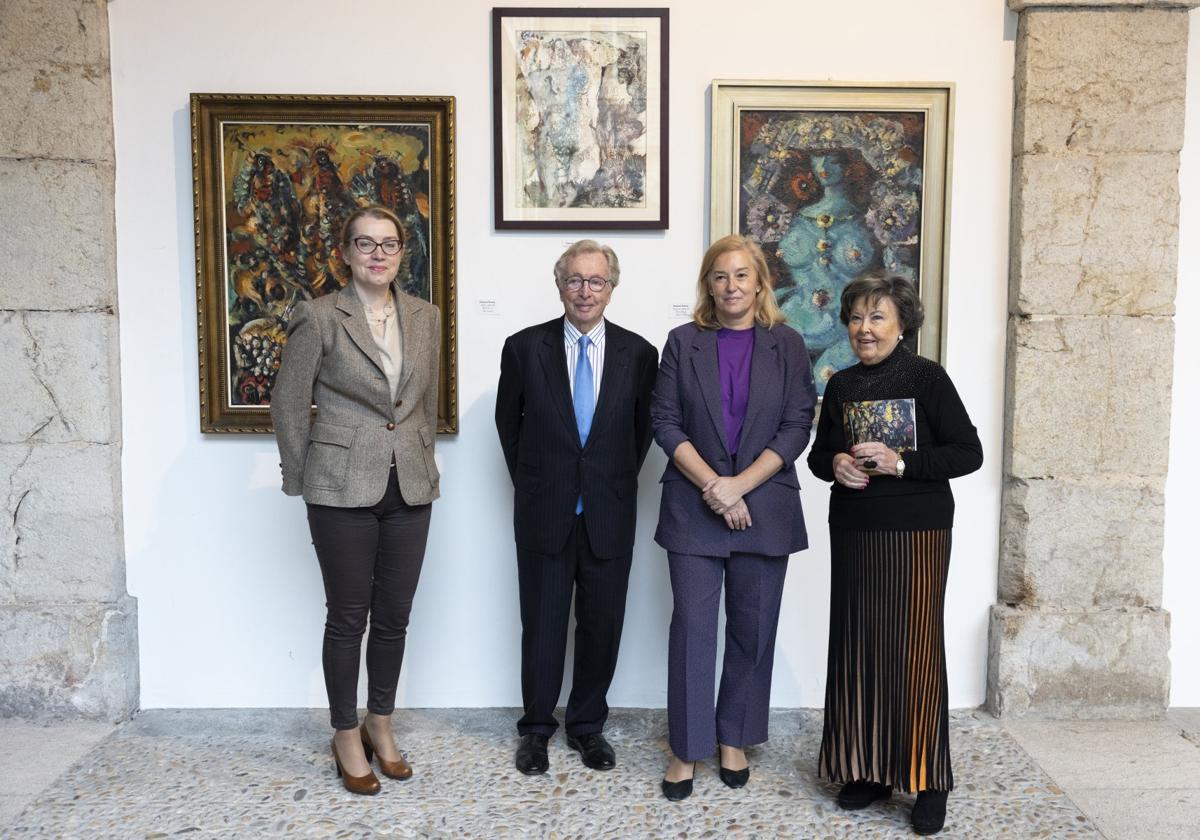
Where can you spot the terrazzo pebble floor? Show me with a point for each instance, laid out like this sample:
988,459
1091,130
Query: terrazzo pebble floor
267,773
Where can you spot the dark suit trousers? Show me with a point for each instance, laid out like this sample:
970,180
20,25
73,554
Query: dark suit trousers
546,585
753,591
370,560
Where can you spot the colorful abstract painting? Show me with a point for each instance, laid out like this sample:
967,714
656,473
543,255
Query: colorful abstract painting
830,195
580,117
580,100
288,190
275,178
890,422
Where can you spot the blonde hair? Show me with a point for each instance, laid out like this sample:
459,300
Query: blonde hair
373,211
766,310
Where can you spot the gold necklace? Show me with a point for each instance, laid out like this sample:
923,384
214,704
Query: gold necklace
379,317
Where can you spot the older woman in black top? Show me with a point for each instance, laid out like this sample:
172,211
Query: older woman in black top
891,434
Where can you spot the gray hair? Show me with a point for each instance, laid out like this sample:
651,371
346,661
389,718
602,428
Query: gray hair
588,246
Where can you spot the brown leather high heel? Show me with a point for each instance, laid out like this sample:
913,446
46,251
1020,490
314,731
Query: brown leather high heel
367,785
400,769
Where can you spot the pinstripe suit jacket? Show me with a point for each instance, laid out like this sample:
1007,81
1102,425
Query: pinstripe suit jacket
779,415
550,468
341,457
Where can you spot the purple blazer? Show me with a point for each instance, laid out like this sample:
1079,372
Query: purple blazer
686,406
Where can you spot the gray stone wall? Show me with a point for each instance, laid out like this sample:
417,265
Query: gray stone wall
68,630
1079,630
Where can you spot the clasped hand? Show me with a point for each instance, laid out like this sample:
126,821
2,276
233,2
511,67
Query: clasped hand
850,469
723,495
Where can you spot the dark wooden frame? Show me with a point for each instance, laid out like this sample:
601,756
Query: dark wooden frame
209,111
582,222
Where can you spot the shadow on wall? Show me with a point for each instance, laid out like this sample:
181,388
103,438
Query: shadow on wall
470,580
465,633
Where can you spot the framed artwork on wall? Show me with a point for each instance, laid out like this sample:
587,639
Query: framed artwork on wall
273,179
834,179
579,104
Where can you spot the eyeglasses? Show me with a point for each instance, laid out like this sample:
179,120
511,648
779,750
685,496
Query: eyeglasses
574,283
366,246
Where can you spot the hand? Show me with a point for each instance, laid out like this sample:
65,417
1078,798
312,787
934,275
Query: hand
721,493
738,516
884,458
847,473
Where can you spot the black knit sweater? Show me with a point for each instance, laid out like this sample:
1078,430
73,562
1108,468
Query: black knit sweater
947,446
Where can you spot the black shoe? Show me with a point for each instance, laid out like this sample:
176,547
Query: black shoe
596,752
854,796
734,778
676,791
929,812
531,754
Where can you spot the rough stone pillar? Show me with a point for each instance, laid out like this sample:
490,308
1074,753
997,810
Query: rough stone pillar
68,630
1080,630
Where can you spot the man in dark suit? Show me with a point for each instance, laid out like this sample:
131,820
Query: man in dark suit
573,413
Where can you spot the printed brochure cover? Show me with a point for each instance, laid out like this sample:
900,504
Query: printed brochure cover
891,422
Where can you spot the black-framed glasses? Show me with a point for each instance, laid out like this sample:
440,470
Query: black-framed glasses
575,282
366,246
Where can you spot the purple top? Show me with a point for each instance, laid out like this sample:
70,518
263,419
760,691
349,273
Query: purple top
734,349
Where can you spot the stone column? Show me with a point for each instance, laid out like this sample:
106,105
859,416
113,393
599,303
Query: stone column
68,630
1079,630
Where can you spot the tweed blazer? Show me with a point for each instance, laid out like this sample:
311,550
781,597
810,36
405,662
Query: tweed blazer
550,468
779,416
341,455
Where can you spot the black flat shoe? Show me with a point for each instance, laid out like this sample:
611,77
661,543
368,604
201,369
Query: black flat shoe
677,791
597,753
734,778
854,796
929,811
531,754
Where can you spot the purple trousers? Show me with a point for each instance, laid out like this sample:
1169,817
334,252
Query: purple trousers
753,590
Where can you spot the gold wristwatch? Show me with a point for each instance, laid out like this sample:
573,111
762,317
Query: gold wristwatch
899,468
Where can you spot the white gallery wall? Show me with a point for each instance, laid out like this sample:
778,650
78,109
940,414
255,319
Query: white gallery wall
230,599
1181,552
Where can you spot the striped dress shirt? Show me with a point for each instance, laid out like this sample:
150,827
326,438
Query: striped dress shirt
595,351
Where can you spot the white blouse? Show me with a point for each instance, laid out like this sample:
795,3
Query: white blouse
386,333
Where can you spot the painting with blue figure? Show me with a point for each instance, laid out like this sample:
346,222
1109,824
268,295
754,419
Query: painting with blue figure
830,195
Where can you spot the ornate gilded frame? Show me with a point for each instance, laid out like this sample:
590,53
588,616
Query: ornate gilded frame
225,286
931,102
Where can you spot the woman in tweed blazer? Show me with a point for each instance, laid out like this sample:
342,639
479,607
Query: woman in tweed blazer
367,357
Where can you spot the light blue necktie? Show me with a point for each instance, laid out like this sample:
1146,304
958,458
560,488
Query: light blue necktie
584,398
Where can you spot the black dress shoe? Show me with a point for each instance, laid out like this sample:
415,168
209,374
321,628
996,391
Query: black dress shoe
854,796
596,752
531,754
929,812
734,778
676,791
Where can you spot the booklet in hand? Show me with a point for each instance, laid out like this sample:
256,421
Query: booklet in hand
890,422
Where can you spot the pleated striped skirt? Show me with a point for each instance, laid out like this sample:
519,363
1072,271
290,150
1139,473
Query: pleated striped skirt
886,705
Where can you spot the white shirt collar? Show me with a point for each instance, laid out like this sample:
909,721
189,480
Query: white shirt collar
572,334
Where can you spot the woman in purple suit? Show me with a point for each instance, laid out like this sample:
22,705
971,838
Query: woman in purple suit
732,409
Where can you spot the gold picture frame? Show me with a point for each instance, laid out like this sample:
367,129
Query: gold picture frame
273,177
834,179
